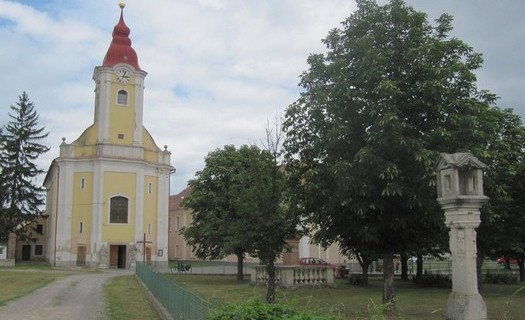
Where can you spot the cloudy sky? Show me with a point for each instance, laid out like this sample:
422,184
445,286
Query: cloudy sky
218,70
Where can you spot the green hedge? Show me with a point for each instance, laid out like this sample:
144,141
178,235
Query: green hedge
500,278
434,280
257,310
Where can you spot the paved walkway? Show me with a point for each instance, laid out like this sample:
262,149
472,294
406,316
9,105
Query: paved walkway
78,296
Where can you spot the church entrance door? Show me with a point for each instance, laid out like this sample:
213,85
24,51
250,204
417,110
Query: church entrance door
117,256
81,256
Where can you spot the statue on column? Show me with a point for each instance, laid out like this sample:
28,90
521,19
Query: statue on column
103,260
132,252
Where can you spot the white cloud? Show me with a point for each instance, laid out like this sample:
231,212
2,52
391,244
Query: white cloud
217,69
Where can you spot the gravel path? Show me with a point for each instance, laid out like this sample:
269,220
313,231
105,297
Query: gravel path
78,296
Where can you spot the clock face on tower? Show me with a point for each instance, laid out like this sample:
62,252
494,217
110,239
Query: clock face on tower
123,75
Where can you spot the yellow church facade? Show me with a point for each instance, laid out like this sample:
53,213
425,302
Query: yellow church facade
108,191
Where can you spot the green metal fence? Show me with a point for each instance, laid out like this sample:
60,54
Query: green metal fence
180,303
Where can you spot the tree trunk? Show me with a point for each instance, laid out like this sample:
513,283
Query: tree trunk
364,273
522,270
388,281
404,266
270,269
240,266
419,267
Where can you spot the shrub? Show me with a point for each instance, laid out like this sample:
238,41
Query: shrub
500,278
356,279
435,280
257,310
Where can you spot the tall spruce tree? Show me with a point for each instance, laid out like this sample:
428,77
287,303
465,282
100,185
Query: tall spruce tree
21,198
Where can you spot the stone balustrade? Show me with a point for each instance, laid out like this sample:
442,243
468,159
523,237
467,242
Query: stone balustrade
293,276
114,151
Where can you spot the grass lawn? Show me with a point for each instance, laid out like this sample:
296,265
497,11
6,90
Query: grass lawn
353,302
126,299
14,284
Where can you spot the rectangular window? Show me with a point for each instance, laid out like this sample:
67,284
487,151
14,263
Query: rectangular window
121,136
178,223
39,249
39,229
149,228
82,183
81,227
150,187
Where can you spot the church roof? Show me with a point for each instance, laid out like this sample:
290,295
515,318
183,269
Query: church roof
176,200
458,160
120,50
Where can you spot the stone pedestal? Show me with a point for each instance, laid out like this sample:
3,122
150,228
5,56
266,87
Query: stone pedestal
462,216
466,307
460,194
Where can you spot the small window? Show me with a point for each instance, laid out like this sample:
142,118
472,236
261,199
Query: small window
39,249
120,136
122,97
39,228
150,187
149,228
178,223
82,183
118,212
81,227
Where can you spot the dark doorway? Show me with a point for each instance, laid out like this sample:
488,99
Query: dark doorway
117,256
81,256
26,252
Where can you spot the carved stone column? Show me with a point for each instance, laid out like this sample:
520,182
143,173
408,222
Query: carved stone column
460,194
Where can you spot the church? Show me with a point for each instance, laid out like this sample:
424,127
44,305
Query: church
108,191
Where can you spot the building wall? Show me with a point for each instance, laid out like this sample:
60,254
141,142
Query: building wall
122,116
330,254
180,217
81,219
119,184
36,249
3,251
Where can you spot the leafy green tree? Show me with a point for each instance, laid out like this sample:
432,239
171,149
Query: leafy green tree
217,226
236,204
391,92
501,230
21,199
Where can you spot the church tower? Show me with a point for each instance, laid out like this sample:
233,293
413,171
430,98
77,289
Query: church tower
108,191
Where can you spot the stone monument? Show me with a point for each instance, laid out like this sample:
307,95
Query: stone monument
103,257
460,195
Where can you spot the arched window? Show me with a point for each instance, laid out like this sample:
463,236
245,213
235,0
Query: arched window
122,97
118,210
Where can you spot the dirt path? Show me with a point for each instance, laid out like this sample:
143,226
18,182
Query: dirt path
78,296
